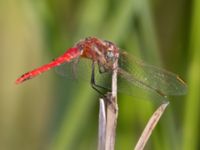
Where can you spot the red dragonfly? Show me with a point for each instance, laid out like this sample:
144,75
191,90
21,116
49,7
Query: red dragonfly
104,53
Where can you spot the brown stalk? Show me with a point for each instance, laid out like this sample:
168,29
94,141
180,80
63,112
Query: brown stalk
150,126
108,122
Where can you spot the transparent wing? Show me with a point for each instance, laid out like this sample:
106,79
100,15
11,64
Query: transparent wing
150,77
80,71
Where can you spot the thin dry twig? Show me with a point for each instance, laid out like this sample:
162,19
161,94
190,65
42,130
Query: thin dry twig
150,126
108,130
102,125
112,112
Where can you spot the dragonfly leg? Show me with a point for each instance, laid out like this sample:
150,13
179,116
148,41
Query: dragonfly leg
93,83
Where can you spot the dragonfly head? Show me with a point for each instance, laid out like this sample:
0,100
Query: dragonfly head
111,52
102,51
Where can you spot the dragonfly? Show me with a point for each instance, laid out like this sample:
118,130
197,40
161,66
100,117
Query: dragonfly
104,53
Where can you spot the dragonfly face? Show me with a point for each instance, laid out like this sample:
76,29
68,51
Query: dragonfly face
103,52
110,54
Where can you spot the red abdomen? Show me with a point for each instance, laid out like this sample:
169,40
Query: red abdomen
66,57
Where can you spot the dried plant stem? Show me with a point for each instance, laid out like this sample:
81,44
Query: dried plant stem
112,112
102,125
108,130
150,126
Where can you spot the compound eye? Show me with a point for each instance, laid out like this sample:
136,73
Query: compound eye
110,54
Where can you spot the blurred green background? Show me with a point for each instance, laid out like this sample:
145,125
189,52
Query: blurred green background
51,113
